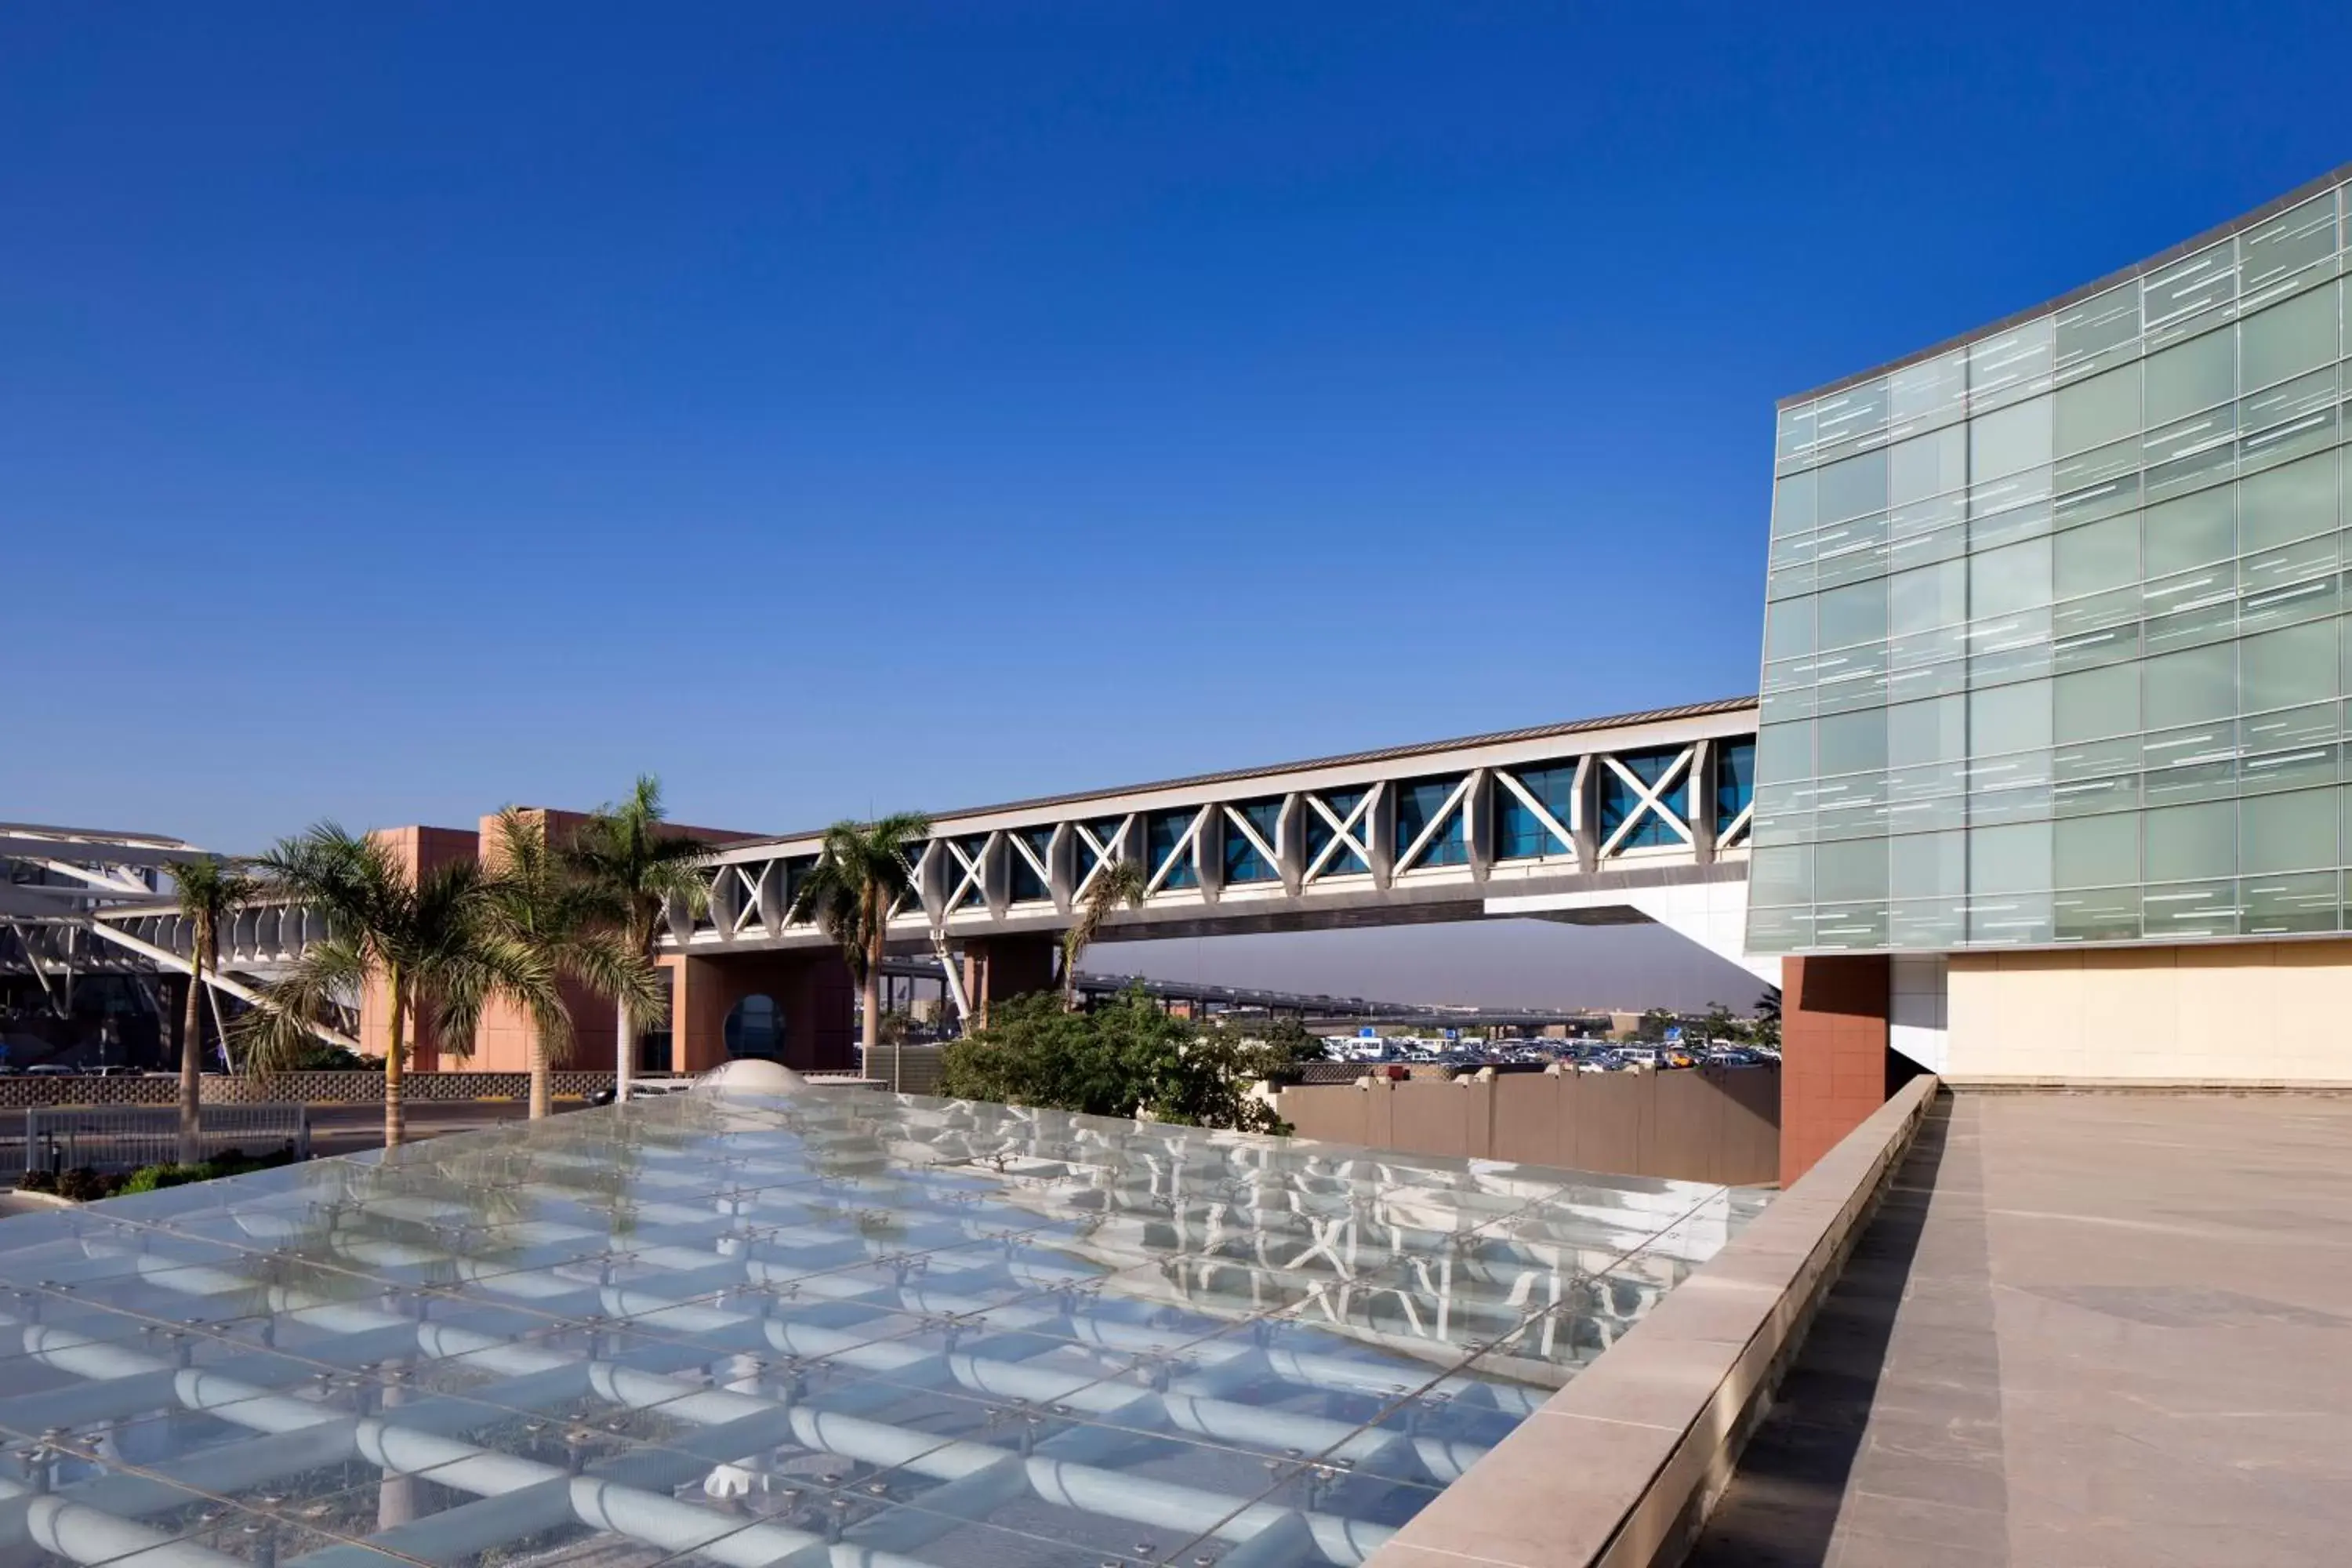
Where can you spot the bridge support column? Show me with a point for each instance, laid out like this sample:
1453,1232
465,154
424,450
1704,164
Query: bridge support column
1835,1065
999,968
811,1002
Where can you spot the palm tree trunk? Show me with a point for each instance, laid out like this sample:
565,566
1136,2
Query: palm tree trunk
624,1052
192,1059
395,1117
541,1089
870,1032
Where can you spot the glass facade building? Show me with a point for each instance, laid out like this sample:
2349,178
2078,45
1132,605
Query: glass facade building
2053,645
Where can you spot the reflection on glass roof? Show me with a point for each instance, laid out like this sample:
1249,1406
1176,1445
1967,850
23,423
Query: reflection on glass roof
836,1329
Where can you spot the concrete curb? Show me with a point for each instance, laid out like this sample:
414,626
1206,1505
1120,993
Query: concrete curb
1620,1467
2169,1086
43,1200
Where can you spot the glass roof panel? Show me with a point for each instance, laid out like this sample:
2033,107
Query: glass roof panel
752,1332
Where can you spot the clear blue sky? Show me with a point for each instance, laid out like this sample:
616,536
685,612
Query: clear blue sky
409,409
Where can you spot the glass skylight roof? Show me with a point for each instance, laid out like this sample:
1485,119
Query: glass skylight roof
838,1328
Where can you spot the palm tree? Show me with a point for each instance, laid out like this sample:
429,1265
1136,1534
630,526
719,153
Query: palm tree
537,899
637,871
1120,882
861,874
210,895
432,939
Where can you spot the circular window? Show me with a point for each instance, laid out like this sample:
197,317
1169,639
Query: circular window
755,1027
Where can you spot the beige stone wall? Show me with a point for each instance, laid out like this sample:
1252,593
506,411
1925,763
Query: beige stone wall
2236,1012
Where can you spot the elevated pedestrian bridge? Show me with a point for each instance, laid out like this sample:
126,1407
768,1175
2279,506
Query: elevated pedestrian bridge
1641,816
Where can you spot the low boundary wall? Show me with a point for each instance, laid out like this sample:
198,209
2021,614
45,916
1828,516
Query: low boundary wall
1693,1124
302,1087
1620,1467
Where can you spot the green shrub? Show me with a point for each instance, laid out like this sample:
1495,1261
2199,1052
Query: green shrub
83,1184
38,1182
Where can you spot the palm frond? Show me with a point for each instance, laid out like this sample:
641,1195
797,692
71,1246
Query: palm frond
329,974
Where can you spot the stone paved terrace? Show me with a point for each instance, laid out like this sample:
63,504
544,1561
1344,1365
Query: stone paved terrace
2092,1328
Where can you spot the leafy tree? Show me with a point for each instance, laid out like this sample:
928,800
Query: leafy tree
862,872
1766,1029
432,939
1287,1039
575,924
210,894
1123,1059
636,871
1652,1029
1120,882
1719,1024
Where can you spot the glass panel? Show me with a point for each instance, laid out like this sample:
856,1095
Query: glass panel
2188,686
1417,805
2098,851
1849,870
1735,781
1928,597
2006,581
2287,339
1793,433
1929,393
2280,246
1026,884
1620,802
1847,420
2193,284
1344,862
2010,719
2095,557
2091,703
2281,905
2189,842
1853,615
2193,530
1935,731
1519,832
2292,832
1779,877
1244,862
1928,465
1794,500
2191,377
1853,743
2014,365
2092,327
1788,629
2011,858
2010,439
1852,488
2287,668
2287,503
1162,831
2097,411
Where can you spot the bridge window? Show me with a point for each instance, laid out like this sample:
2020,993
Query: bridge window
1421,802
1519,832
1162,831
1622,802
796,876
1245,862
1734,780
966,886
755,1027
1105,830
1345,862
1028,886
